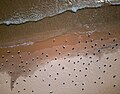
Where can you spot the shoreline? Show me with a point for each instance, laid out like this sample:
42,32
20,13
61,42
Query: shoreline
37,15
61,24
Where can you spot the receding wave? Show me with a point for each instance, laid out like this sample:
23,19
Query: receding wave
17,12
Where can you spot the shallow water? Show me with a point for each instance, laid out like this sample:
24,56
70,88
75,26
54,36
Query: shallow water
17,12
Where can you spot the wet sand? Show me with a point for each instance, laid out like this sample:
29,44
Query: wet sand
86,20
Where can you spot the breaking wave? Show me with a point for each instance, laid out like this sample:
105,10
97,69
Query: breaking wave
39,9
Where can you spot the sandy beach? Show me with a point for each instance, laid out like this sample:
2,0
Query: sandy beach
71,54
24,62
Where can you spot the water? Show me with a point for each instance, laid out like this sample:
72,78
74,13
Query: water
24,11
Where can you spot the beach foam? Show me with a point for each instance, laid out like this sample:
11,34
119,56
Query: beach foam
48,8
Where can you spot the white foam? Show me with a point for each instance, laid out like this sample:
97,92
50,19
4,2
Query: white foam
38,14
23,44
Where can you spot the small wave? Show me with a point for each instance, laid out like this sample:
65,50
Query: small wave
49,9
36,13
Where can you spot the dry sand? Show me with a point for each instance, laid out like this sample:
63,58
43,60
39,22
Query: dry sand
62,51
